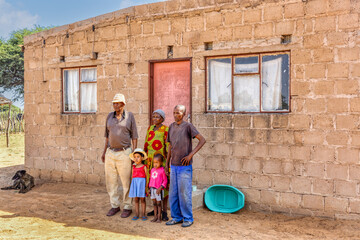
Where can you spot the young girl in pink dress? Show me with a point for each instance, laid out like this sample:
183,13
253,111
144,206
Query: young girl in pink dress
157,184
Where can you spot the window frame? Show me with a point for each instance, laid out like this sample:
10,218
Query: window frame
233,74
79,98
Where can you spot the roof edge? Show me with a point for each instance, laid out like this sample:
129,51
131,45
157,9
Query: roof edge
122,13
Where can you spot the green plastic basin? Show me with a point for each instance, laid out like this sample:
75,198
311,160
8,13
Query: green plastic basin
224,199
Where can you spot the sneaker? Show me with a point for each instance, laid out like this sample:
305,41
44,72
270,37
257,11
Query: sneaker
187,224
173,222
126,213
113,211
165,216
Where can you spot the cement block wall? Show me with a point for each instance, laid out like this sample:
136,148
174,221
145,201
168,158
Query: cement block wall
305,162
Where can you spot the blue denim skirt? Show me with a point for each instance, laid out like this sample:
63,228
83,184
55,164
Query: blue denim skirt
137,187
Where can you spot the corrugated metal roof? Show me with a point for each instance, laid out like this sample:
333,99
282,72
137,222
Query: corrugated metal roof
4,100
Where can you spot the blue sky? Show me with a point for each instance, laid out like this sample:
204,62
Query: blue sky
17,14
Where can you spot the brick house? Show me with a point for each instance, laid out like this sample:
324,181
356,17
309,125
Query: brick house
272,85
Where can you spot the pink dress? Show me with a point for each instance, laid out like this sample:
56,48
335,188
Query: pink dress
158,178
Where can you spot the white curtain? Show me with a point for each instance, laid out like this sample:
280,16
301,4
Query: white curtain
71,96
88,97
88,90
247,93
219,85
271,84
88,75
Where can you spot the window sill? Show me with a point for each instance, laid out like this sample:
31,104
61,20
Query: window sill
247,113
78,113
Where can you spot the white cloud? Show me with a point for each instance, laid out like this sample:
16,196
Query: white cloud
13,19
129,3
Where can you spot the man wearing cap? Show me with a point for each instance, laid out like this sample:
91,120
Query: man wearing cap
120,134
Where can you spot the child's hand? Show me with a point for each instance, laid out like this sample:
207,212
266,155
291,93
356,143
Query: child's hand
158,191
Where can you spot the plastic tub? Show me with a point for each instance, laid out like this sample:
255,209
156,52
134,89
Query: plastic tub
224,199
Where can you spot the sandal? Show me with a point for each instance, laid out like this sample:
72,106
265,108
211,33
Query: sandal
164,216
135,218
144,218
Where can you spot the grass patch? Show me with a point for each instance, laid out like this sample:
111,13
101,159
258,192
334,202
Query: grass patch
15,153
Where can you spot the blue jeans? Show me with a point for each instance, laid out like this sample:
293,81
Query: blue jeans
180,193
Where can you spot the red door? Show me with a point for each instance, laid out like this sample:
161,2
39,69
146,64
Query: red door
170,84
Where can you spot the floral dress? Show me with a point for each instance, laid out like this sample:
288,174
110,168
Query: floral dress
155,142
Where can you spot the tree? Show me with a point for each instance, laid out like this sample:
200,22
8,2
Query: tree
5,108
12,61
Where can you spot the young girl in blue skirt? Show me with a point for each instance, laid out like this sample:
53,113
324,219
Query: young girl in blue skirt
138,183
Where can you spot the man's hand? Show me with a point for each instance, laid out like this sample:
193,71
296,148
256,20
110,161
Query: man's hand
105,149
158,191
185,161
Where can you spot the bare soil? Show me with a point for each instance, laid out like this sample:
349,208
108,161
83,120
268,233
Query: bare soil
77,211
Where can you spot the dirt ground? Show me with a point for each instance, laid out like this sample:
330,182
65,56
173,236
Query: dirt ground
77,211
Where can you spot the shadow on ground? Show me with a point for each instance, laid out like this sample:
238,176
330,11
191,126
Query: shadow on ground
70,205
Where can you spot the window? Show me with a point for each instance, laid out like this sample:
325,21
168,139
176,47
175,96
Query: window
79,90
248,83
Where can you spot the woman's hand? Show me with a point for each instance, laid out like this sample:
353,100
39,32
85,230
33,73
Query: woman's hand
167,170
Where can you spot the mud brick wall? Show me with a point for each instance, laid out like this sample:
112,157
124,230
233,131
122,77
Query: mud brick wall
305,162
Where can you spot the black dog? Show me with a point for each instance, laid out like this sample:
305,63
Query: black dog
22,181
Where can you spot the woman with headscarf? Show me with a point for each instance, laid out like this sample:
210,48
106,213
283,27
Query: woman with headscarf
155,143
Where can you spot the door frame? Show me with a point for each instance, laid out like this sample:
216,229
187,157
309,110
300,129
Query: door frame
151,82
